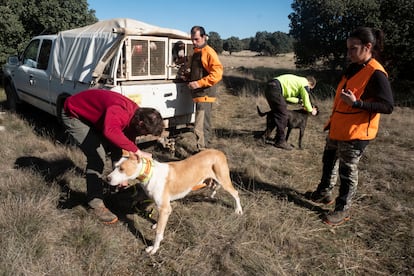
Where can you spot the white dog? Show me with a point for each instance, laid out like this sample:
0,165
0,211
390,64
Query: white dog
164,182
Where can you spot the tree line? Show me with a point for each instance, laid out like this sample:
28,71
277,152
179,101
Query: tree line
20,20
318,30
264,43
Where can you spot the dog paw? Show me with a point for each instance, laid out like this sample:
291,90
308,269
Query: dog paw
151,250
239,211
154,226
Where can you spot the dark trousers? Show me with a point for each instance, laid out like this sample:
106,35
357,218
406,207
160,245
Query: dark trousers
278,110
94,146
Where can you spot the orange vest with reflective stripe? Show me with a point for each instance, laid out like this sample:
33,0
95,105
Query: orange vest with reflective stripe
207,70
347,123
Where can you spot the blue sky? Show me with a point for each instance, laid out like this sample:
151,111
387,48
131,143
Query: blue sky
228,18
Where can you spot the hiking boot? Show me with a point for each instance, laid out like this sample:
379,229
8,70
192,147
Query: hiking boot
337,217
100,210
283,145
267,140
317,197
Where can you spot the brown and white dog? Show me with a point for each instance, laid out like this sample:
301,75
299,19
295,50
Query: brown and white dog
165,182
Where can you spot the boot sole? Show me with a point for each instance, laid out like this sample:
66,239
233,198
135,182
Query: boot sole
323,202
106,222
110,222
338,223
320,201
329,203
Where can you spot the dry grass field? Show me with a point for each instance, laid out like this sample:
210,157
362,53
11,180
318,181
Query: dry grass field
46,228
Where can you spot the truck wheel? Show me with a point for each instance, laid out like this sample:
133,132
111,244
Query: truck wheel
12,98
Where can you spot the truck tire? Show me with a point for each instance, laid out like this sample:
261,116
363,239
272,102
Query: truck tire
13,100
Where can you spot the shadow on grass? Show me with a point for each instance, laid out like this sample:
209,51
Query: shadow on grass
283,193
52,172
204,196
43,123
235,133
123,202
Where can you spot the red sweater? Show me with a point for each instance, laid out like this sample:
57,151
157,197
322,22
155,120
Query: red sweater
107,111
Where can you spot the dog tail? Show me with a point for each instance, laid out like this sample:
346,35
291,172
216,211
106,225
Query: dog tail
261,114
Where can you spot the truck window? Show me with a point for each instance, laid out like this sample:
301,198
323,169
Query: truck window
148,58
29,56
139,58
44,54
157,57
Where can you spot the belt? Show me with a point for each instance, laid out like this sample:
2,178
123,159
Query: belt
204,99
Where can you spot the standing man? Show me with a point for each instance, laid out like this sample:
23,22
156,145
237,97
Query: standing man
362,94
98,119
206,72
279,91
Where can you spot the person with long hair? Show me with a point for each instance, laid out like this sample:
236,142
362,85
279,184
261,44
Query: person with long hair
362,94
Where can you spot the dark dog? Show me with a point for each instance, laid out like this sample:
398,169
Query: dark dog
297,118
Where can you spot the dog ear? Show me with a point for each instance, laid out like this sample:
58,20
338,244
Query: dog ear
133,156
125,153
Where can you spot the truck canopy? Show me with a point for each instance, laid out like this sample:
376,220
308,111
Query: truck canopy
80,54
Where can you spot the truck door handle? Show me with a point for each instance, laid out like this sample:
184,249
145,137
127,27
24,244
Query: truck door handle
168,94
31,80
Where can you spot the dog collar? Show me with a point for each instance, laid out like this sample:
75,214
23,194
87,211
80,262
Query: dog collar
146,170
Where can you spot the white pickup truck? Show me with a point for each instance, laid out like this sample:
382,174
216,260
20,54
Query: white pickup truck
133,58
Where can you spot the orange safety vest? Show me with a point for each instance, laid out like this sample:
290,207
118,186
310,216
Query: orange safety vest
207,70
347,123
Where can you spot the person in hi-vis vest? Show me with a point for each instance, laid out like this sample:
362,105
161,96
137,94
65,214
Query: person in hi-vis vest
362,94
206,72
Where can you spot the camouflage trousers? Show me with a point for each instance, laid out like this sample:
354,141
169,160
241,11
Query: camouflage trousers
341,157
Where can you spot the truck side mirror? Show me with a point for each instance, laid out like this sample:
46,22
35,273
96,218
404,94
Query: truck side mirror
13,60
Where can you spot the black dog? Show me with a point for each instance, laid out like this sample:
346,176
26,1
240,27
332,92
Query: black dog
296,119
